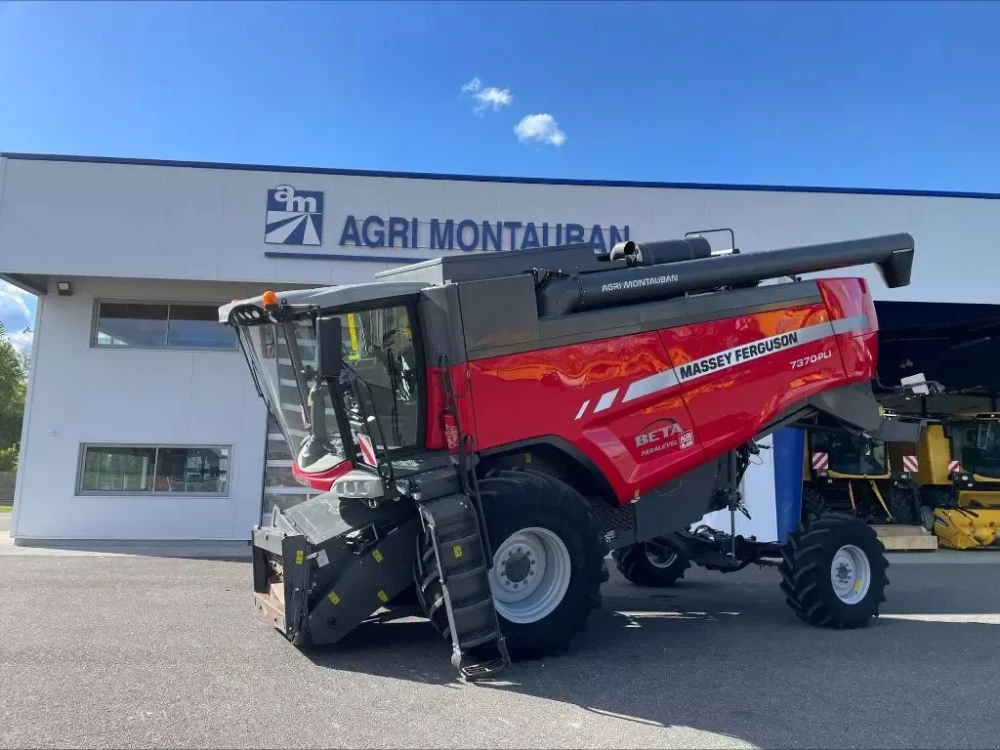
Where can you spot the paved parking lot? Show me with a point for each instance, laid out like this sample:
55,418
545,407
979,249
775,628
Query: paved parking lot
124,651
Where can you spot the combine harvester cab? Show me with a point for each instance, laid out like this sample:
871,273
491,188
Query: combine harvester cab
851,473
959,478
485,427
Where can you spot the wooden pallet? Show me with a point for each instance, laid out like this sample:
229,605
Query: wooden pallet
899,538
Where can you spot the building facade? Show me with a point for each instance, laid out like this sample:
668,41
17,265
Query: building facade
142,421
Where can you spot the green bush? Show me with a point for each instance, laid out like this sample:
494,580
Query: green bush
8,458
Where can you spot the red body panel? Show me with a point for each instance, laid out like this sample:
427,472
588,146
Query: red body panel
645,408
320,480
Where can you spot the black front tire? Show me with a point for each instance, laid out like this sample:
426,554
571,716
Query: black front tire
808,568
514,500
636,567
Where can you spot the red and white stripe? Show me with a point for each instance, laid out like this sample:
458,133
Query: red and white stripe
367,450
911,464
954,466
821,461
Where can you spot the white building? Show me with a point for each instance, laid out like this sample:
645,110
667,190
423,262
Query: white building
131,259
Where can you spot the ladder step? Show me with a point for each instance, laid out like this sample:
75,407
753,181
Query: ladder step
464,536
466,595
480,570
464,609
479,638
486,669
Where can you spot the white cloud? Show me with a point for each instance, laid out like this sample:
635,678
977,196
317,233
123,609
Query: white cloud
540,128
17,307
23,340
490,97
17,311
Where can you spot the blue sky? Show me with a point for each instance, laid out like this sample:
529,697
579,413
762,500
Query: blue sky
895,94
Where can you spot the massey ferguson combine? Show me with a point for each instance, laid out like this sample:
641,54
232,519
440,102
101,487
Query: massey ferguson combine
485,428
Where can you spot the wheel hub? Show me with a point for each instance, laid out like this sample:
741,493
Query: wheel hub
659,554
530,575
518,566
850,574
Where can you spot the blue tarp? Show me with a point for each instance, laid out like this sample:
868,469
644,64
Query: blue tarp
789,453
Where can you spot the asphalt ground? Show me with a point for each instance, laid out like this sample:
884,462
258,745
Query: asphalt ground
144,651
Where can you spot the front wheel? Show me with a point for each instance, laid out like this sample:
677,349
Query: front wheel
548,562
833,572
653,563
548,556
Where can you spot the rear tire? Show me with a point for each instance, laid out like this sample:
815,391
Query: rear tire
538,523
813,504
833,572
652,564
904,506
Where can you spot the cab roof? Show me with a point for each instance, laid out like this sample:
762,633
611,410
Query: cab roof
333,297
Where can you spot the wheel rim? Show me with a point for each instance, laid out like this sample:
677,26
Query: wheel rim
850,573
530,575
659,554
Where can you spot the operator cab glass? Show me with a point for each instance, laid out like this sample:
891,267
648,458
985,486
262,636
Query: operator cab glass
377,386
976,444
851,456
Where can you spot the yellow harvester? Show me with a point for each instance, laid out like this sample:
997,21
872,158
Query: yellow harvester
959,478
868,478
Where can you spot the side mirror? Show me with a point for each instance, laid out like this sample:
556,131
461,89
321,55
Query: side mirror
328,346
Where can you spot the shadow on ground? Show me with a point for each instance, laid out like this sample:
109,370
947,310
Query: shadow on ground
723,654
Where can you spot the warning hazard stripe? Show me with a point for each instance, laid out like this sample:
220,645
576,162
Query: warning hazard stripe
367,450
820,461
954,466
911,464
727,359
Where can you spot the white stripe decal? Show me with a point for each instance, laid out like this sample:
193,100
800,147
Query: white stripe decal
739,354
606,400
583,408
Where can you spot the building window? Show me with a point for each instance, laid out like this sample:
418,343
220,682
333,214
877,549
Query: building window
154,469
149,325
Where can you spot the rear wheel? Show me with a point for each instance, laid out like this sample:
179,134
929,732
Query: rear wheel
904,504
548,556
813,504
652,563
833,572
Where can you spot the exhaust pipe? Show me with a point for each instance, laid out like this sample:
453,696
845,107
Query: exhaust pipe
662,279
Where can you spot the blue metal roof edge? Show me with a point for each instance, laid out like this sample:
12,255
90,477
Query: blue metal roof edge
499,179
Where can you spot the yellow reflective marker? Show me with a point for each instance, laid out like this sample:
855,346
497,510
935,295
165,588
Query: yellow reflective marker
527,458
384,597
353,328
299,557
332,596
377,555
456,550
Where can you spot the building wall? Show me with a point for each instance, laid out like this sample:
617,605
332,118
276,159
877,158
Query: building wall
175,222
81,394
193,228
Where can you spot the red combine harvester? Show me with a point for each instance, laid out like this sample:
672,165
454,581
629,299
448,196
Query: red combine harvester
487,427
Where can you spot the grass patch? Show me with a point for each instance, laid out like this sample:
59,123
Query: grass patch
6,508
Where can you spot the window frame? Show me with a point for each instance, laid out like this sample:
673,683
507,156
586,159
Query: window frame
95,324
81,468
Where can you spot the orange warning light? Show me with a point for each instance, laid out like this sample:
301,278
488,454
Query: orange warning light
270,299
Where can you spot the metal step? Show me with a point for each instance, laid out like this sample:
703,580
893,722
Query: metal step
459,562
